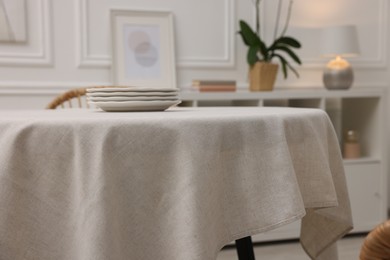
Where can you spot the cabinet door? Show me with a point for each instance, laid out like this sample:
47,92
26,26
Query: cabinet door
366,196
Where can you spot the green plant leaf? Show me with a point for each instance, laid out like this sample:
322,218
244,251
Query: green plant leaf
285,65
244,39
292,69
289,52
288,41
264,51
249,37
284,68
252,55
283,61
258,50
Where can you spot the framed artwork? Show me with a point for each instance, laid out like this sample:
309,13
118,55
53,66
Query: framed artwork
143,48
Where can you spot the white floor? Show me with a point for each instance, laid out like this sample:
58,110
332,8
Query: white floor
349,249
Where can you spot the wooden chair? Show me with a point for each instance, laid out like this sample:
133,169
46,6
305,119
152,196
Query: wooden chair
376,245
65,100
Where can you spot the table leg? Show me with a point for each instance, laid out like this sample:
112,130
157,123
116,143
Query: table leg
245,249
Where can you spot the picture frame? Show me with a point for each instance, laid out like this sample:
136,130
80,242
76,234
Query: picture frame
143,48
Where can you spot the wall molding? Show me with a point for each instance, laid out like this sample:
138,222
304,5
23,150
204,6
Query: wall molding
228,58
379,61
85,59
37,88
44,88
44,55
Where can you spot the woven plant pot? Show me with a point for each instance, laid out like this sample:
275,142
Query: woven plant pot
262,76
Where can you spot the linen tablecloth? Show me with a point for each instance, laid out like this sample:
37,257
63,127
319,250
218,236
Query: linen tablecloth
179,184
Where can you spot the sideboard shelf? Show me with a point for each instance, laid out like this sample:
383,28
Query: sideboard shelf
362,160
304,93
360,109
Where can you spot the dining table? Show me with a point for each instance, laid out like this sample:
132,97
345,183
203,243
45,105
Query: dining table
180,184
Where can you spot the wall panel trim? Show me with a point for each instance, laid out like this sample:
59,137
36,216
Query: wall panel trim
85,59
228,58
44,56
42,88
37,88
374,62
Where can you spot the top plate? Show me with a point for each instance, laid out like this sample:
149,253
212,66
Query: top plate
131,94
131,89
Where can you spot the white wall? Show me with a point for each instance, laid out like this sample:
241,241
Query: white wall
69,43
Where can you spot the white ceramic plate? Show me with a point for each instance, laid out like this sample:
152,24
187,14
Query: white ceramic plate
137,98
127,106
131,89
130,94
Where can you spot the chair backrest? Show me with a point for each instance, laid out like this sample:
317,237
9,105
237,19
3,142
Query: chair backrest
377,243
69,99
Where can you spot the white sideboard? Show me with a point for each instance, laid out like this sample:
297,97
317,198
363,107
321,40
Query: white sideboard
359,109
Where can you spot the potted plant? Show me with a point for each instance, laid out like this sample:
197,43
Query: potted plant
260,56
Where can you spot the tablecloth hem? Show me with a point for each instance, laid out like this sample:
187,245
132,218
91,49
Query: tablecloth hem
334,240
321,204
258,230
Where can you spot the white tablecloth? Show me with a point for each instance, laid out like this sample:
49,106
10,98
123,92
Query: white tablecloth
179,184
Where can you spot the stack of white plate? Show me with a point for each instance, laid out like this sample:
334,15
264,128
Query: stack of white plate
132,98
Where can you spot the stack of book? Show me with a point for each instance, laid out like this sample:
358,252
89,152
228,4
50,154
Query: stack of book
214,85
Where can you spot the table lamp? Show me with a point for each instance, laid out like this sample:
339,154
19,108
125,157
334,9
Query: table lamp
339,42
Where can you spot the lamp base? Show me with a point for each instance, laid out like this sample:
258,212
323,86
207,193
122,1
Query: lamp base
338,74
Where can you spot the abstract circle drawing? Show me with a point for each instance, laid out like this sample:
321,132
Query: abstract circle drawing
145,53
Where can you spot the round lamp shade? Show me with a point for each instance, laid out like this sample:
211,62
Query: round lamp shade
340,41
